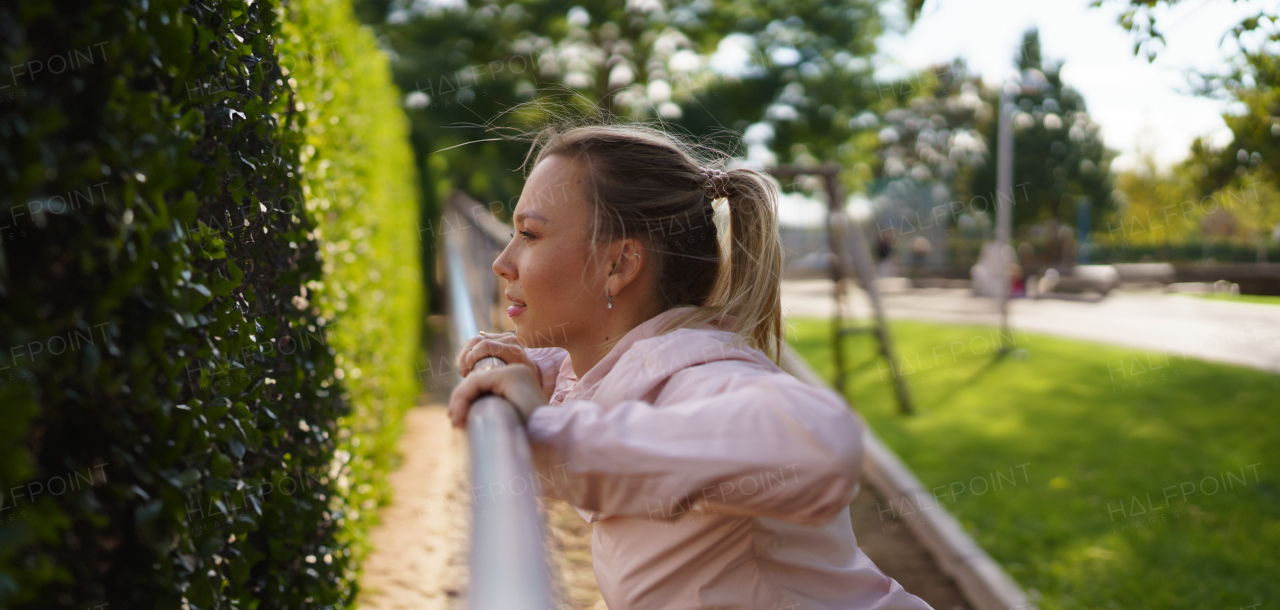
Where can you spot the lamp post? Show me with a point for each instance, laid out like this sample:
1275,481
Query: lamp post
1028,82
1004,203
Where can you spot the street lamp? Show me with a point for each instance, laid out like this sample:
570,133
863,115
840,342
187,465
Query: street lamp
1004,193
1028,82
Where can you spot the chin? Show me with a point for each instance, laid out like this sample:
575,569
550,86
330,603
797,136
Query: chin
526,338
531,334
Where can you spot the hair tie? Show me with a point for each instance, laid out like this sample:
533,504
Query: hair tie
715,183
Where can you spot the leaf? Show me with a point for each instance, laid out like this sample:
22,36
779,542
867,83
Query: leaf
187,478
147,512
223,285
217,408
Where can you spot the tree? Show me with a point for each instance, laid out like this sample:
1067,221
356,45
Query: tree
1242,177
1060,160
1153,206
1139,18
465,65
926,133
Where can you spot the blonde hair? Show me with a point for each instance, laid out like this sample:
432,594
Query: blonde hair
648,184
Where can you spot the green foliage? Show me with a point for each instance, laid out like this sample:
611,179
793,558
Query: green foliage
1132,249
1248,168
1097,427
1148,210
360,184
1228,194
467,66
927,132
1059,156
1140,19
1260,299
199,257
1251,82
936,135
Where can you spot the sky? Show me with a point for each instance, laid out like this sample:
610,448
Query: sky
1139,105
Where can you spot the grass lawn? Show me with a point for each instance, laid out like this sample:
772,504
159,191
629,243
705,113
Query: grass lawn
1099,476
1238,298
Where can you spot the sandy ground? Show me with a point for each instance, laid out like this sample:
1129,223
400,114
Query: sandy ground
419,546
569,544
419,559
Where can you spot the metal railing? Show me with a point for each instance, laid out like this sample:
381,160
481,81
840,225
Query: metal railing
509,568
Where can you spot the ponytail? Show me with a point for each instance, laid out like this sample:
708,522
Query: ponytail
749,285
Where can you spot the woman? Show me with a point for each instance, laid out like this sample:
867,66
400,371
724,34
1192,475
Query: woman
651,391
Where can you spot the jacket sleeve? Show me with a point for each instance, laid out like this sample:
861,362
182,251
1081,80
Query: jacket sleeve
548,360
744,443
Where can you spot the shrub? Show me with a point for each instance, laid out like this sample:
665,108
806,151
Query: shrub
209,302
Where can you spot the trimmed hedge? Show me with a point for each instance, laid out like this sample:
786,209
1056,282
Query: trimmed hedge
362,185
209,301
1185,252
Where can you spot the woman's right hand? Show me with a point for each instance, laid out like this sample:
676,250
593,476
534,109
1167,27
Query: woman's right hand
500,345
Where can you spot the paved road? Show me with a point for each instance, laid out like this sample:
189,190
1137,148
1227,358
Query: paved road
1239,333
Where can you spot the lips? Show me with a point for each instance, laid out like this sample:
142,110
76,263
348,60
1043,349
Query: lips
517,308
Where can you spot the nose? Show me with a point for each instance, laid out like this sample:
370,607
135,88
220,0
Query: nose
502,265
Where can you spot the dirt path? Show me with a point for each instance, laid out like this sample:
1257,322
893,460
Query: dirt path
419,546
570,548
419,558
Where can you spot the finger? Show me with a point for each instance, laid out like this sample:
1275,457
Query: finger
506,352
471,353
460,402
453,412
465,395
470,356
462,352
505,337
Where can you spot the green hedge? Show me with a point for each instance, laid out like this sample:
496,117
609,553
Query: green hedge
1186,252
209,301
363,187
964,252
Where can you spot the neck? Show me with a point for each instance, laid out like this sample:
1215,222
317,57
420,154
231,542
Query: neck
597,344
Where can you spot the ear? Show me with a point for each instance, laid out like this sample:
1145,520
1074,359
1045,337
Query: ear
626,262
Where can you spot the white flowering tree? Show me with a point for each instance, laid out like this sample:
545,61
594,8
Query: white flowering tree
1060,159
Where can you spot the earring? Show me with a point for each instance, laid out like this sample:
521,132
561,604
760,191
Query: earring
606,293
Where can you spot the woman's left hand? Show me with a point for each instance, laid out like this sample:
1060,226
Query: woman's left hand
518,383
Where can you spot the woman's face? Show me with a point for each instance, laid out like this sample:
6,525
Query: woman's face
555,288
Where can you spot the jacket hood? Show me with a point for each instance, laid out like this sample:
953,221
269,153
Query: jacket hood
642,361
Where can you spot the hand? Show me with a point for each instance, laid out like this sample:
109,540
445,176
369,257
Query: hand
518,383
502,346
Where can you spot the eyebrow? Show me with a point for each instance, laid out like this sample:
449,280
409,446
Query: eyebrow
531,215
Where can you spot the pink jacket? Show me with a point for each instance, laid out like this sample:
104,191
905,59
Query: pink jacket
714,479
